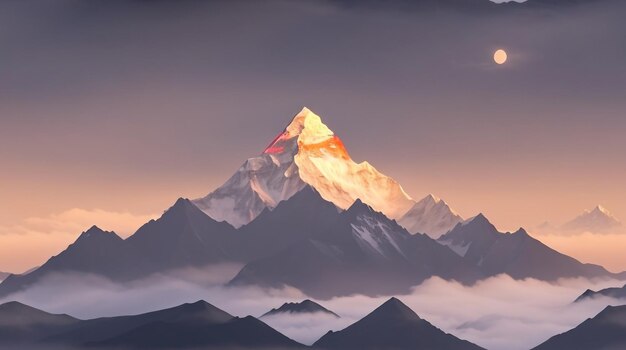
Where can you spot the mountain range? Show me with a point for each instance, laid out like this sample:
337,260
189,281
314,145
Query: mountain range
195,325
201,325
304,214
308,153
516,254
598,220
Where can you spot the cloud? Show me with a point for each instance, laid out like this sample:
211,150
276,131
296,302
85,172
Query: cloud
498,313
307,328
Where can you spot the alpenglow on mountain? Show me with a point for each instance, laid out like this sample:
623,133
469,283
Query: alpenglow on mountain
597,220
305,153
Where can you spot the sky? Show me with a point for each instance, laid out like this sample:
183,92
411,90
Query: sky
111,110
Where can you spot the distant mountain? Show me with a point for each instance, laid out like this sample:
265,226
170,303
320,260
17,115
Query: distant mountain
617,293
20,324
431,216
305,307
597,220
605,331
95,251
515,254
355,251
4,275
197,325
392,325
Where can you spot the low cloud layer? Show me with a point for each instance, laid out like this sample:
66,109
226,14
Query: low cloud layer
497,313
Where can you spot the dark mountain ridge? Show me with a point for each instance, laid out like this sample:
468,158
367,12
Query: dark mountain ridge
355,251
304,307
194,325
605,331
393,325
516,254
616,292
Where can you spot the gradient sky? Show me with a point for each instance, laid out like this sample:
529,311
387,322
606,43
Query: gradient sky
110,110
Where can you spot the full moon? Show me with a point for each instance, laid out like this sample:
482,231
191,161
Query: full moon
500,56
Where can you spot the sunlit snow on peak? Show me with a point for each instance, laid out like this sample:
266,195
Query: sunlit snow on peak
305,153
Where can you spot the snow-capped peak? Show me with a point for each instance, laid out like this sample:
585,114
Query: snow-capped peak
599,219
601,209
306,152
432,216
306,133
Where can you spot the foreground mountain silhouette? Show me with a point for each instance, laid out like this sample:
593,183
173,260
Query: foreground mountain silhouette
304,307
392,325
193,326
20,324
605,331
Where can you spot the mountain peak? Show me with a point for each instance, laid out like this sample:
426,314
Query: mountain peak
309,127
94,232
392,325
601,209
306,306
307,134
305,153
431,198
598,219
464,234
480,221
12,306
358,207
394,309
431,215
182,204
520,232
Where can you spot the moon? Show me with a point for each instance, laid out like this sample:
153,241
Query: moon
500,56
